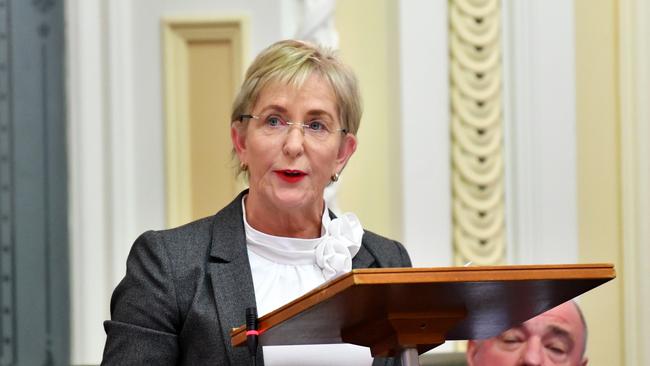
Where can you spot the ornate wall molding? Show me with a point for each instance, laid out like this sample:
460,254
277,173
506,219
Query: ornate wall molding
476,131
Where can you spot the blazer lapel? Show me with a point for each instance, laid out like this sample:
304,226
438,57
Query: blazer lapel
229,268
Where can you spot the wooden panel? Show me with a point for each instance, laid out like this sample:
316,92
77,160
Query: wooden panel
210,90
203,69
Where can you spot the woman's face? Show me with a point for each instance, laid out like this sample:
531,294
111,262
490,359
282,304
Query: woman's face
288,167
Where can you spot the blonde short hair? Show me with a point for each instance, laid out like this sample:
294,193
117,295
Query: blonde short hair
292,62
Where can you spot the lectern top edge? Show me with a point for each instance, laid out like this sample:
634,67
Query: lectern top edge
480,273
506,268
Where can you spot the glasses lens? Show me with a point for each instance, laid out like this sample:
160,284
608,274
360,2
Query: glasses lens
274,125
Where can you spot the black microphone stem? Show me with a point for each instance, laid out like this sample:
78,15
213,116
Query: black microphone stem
252,332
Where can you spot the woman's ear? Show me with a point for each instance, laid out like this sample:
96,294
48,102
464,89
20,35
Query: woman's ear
347,148
238,137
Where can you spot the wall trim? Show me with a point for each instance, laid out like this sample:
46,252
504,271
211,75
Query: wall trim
88,163
540,132
120,124
425,131
634,53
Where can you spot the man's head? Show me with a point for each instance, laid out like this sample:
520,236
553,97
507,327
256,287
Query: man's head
556,337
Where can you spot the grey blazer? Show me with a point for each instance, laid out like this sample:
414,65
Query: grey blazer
186,288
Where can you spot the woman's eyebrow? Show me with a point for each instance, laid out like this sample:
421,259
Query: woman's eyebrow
319,113
283,110
275,108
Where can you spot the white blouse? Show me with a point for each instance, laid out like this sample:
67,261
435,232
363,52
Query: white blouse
286,268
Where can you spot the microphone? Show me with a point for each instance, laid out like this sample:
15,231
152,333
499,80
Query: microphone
251,331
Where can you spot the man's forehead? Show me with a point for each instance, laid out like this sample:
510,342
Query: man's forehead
564,317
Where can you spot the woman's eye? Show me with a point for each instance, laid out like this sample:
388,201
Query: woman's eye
273,121
316,126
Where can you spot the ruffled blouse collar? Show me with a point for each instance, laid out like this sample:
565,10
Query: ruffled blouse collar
332,252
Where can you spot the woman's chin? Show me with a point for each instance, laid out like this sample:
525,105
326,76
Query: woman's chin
295,197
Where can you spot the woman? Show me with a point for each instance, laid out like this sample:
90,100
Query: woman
294,129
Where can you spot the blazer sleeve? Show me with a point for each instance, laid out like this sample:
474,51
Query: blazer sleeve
379,251
405,259
144,312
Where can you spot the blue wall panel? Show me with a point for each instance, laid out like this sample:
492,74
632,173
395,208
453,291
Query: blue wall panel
34,278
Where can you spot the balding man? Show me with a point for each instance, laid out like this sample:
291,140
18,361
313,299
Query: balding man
556,337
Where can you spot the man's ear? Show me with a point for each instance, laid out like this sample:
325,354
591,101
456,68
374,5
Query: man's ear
472,348
238,137
584,361
347,148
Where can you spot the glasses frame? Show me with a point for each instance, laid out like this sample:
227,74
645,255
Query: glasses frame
242,117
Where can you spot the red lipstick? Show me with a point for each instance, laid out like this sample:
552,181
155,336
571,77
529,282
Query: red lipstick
290,175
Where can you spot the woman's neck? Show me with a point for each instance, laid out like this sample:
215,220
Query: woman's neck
302,223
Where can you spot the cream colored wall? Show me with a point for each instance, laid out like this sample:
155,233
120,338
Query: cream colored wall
370,185
599,199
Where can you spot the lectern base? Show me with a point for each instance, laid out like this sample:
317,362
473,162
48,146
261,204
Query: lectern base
410,357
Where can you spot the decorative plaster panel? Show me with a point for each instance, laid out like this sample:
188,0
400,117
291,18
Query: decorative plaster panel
476,132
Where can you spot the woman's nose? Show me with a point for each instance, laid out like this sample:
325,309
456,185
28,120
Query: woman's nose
294,142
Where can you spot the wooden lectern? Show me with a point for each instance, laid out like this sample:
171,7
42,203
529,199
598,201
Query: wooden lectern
408,311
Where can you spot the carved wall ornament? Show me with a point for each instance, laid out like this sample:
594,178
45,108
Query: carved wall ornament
476,132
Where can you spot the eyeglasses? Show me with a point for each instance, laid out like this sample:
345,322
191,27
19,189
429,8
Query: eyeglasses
276,125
